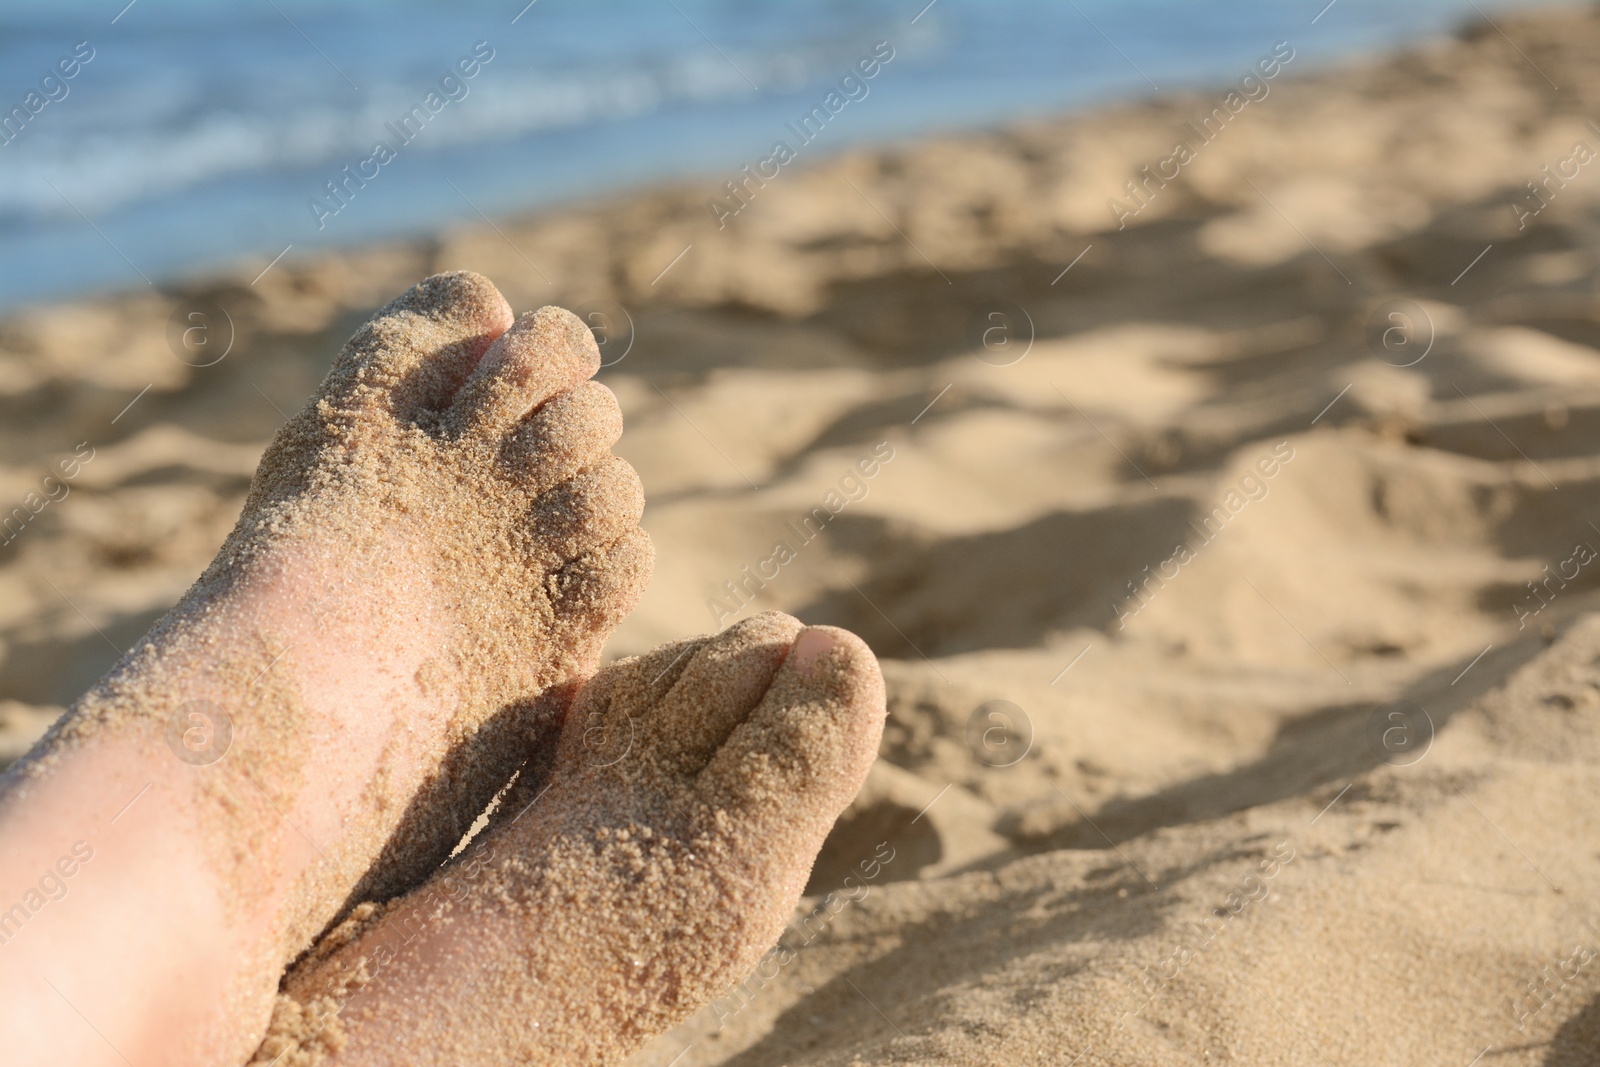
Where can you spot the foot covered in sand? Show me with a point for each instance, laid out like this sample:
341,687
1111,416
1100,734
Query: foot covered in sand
431,550
625,882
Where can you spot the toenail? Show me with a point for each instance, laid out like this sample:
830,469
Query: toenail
808,646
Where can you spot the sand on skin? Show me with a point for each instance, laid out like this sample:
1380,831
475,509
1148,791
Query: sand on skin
1420,912
393,508
652,861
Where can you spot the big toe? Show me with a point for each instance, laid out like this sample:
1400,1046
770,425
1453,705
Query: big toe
794,763
414,354
800,756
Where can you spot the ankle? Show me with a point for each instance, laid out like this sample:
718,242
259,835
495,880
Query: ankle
112,908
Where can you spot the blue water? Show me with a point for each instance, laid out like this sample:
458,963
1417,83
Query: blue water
199,132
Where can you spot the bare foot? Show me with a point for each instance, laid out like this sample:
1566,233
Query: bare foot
436,544
659,859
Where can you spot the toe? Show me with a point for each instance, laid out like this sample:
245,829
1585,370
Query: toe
543,354
599,589
800,757
572,432
652,675
414,354
601,728
592,509
723,680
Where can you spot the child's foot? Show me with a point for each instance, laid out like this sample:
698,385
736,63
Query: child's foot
436,544
661,857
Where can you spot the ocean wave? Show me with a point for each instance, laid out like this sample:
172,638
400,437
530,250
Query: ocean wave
183,134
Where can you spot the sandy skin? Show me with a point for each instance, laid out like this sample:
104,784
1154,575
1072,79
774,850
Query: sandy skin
638,878
430,557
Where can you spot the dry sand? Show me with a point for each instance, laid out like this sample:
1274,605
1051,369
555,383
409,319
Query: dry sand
1216,741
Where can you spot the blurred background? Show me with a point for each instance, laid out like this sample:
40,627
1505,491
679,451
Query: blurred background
196,134
1177,392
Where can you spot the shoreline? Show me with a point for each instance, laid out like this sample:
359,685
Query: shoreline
1088,120
1108,192
1071,787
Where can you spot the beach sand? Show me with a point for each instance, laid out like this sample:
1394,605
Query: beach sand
1294,765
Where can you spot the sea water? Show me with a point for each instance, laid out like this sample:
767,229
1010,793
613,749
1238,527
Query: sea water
204,135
